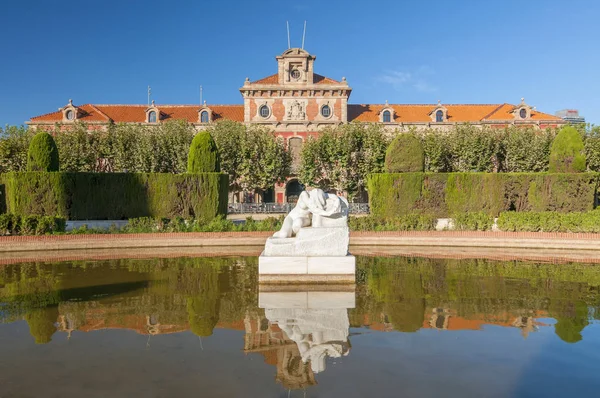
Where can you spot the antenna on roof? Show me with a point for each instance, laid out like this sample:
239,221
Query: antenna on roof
288,31
149,93
303,35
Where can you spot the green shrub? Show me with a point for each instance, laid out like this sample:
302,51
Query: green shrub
43,153
203,156
567,154
11,224
404,155
550,221
445,194
115,196
477,221
408,222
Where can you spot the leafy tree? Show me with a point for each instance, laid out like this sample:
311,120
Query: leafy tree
404,155
567,154
43,153
229,136
343,157
77,148
266,160
203,156
592,148
253,157
436,152
474,149
14,142
526,150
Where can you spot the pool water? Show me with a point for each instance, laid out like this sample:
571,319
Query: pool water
202,327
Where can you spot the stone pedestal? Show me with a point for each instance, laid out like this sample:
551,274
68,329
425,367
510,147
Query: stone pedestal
317,254
307,269
315,241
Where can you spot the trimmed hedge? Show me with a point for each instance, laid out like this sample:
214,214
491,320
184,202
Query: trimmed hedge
408,222
446,194
405,155
567,154
11,224
550,221
43,153
203,156
116,196
478,221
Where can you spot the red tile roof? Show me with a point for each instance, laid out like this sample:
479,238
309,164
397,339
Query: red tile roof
460,113
274,79
137,113
318,79
362,113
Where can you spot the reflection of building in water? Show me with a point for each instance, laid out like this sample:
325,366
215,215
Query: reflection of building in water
278,350
113,318
439,319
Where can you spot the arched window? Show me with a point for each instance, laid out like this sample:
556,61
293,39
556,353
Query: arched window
204,117
264,111
325,111
439,116
152,117
523,113
387,117
70,114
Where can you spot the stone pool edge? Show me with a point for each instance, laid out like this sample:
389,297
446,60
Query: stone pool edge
478,239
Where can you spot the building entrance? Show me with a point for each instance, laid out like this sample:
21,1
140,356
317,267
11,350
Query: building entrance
293,189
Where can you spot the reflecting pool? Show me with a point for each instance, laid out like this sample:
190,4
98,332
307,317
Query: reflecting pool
202,327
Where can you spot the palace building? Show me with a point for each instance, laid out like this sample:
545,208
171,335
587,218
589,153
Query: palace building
296,102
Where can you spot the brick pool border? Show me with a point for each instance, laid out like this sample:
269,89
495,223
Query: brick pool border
542,246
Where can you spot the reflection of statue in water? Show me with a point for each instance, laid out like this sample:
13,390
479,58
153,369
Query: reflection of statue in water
318,333
316,202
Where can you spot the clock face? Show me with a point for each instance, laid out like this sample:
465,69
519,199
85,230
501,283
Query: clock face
295,74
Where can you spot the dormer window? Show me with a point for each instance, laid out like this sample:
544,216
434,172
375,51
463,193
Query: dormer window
295,74
70,112
523,113
152,114
204,117
205,114
387,117
325,111
439,116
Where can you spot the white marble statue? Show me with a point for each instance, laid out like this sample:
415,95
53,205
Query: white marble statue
317,203
313,239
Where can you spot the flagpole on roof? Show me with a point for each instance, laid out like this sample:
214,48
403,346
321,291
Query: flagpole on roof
288,32
149,92
303,35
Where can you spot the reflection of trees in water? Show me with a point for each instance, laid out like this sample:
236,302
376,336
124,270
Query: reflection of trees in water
398,293
41,323
203,307
400,289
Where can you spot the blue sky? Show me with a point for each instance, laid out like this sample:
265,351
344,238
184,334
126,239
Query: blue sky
468,51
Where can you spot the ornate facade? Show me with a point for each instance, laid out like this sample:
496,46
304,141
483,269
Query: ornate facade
296,102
